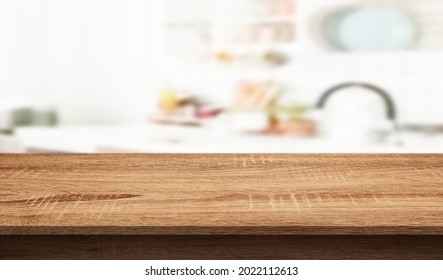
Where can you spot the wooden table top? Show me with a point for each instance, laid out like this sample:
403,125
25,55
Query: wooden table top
221,194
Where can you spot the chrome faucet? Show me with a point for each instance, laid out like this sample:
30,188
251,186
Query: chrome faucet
391,113
390,107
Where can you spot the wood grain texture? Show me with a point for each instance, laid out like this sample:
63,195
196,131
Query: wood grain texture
278,194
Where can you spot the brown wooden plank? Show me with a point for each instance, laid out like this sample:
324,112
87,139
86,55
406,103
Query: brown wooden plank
221,194
226,247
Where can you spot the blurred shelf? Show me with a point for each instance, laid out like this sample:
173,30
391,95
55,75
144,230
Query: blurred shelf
254,20
244,28
193,22
257,46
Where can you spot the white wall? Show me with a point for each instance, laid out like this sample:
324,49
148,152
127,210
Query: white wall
90,57
101,59
24,48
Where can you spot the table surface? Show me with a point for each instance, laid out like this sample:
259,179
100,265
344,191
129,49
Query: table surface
182,194
151,138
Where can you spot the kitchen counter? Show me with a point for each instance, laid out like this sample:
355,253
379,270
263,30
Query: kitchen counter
344,206
152,138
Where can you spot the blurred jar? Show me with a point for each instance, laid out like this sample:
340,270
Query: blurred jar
291,120
44,116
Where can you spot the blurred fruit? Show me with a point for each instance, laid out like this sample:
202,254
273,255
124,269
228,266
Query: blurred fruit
169,101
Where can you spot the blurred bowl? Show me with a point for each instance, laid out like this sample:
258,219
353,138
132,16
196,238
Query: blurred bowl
248,121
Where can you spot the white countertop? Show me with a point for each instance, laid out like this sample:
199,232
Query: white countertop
153,138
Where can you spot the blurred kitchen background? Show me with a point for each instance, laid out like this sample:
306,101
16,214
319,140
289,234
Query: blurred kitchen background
191,76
